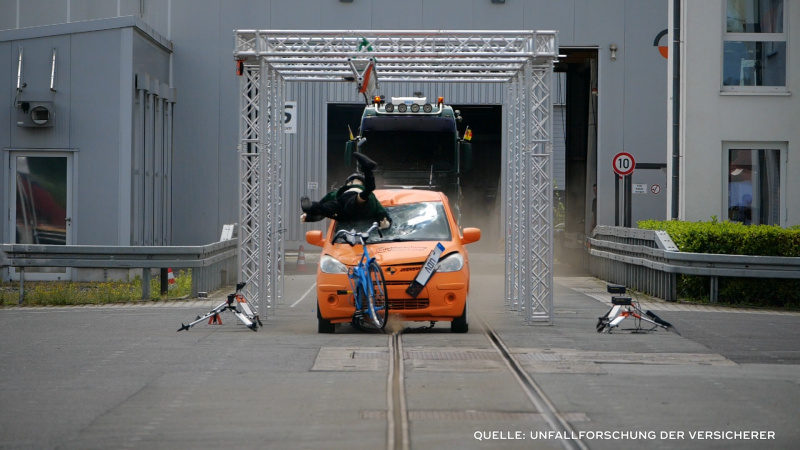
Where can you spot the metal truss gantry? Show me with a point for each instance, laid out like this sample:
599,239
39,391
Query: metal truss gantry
523,60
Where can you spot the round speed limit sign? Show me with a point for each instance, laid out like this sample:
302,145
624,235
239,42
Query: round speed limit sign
624,163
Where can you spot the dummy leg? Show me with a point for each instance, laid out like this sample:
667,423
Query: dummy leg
330,210
367,165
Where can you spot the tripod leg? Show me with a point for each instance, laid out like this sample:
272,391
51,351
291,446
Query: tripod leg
211,313
602,322
616,321
247,309
245,320
657,319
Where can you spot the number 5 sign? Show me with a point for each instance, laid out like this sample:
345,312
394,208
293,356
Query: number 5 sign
290,119
624,164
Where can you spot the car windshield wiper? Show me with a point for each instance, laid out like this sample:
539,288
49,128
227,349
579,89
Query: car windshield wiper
398,239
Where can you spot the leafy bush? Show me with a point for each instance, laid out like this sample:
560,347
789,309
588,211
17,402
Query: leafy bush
732,238
69,293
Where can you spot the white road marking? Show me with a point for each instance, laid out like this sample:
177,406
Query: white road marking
304,295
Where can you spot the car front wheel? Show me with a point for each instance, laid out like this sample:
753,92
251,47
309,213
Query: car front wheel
324,326
460,324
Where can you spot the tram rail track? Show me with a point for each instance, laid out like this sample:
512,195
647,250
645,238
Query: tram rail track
532,390
398,436
397,415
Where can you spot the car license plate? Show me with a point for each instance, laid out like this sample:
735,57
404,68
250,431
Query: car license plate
425,273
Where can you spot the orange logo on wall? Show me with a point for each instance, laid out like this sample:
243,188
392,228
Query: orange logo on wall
663,49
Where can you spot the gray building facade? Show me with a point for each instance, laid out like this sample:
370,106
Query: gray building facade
623,99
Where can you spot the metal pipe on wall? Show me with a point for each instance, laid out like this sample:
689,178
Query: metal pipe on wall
676,106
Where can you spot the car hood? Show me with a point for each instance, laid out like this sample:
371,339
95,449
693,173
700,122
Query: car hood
390,253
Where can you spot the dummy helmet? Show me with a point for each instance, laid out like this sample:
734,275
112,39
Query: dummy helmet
355,176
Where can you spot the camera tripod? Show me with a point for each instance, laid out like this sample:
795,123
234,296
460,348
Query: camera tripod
237,299
614,316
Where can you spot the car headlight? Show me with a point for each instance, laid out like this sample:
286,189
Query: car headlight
450,263
329,264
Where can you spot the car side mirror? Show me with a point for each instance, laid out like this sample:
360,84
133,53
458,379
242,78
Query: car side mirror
470,235
349,147
314,237
466,156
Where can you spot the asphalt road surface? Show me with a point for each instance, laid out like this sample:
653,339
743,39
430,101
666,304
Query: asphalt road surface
120,376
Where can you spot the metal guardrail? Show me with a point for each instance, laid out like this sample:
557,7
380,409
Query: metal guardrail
212,265
648,261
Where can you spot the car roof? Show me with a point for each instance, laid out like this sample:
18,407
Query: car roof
390,197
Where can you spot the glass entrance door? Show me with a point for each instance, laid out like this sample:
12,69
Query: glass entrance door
41,206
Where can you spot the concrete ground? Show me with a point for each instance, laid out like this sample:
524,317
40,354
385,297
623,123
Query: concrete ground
119,376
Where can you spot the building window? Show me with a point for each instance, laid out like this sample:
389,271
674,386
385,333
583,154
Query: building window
754,186
754,46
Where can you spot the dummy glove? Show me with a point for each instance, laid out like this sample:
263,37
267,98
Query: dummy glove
385,223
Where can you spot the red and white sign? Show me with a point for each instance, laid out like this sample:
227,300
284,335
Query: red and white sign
655,189
624,163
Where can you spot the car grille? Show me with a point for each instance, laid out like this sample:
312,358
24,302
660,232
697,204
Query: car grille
409,303
403,271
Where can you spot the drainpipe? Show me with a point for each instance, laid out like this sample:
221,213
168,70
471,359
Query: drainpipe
676,105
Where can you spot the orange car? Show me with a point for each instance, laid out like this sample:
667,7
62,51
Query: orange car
421,219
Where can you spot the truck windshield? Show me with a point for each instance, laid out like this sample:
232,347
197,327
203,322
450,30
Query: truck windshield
403,150
424,221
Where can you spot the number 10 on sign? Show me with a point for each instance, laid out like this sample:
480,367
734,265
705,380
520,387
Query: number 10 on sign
624,163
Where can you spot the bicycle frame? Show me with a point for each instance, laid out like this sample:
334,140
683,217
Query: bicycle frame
359,275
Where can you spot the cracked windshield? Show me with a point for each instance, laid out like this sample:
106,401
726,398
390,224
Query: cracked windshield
424,221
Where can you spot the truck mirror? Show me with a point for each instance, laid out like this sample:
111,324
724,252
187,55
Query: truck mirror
348,153
466,156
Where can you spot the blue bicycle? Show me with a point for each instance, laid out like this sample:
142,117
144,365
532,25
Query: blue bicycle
367,283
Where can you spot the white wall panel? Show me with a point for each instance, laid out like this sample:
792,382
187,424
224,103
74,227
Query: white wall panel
296,15
336,15
94,130
129,7
91,9
552,15
397,15
491,16
42,12
149,58
156,14
197,72
447,15
8,14
242,14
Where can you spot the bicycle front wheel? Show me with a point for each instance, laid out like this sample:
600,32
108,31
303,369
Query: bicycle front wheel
378,301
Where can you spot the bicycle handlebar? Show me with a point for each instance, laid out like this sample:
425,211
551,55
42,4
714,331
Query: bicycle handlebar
353,234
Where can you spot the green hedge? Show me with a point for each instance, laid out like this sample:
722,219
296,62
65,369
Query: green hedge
732,238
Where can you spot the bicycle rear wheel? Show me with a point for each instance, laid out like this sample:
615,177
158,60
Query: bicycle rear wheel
379,300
